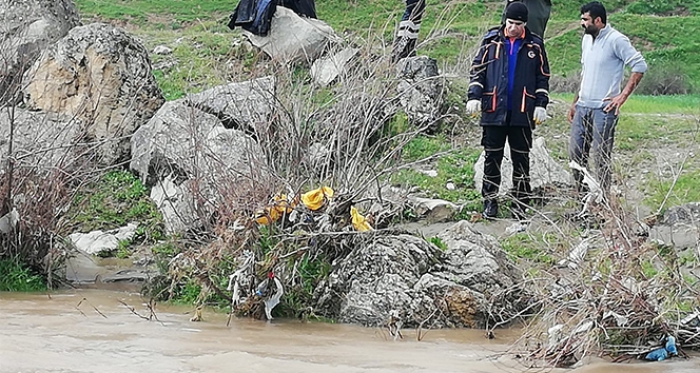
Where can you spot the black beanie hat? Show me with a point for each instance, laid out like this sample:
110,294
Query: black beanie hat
517,12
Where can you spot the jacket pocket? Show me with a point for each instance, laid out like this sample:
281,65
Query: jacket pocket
527,101
489,101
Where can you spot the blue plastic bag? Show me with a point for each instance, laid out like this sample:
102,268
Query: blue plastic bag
657,355
663,353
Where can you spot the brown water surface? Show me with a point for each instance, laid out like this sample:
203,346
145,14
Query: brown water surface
39,333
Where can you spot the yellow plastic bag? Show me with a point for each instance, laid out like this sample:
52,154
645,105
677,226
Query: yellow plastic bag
277,208
316,198
359,222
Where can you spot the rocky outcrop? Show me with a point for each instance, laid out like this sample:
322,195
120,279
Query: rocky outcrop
411,280
246,106
205,163
40,142
100,76
26,28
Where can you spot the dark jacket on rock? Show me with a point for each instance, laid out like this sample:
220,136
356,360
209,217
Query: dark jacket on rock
256,15
489,79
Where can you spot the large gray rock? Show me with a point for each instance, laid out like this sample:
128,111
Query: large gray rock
293,38
421,90
41,142
26,28
679,227
326,70
246,106
376,279
544,170
405,277
205,161
475,260
100,76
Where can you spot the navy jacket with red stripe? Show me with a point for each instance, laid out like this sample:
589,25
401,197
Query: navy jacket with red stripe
489,79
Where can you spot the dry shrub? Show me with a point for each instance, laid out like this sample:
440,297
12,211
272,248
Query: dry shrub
609,303
38,201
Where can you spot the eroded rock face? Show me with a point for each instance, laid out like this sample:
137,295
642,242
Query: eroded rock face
100,76
412,280
203,162
26,28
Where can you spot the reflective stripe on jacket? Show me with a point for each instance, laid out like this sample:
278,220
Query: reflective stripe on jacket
489,79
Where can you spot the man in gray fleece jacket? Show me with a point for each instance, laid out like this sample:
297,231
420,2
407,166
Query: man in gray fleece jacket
594,113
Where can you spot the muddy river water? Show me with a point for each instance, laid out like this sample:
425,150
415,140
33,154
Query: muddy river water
66,333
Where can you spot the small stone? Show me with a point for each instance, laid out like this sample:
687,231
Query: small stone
162,50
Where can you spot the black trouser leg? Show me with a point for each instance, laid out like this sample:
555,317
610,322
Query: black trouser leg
520,141
493,140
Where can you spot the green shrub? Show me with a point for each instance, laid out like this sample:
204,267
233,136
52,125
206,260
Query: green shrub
435,240
16,276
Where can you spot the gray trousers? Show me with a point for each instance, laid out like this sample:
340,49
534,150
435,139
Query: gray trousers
593,128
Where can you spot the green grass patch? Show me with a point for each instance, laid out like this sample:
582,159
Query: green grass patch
455,168
435,240
685,190
423,147
113,201
18,277
141,11
641,104
527,247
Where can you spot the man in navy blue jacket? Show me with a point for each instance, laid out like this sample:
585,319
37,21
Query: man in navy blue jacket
509,86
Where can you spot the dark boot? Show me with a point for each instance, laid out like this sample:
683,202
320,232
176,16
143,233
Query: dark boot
403,47
490,208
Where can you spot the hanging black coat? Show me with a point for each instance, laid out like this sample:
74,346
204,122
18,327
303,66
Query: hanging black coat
304,8
254,16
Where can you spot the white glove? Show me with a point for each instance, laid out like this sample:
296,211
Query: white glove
540,115
473,107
